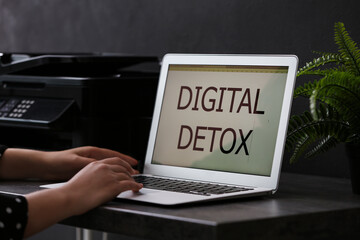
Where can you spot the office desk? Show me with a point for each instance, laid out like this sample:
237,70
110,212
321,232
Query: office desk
305,207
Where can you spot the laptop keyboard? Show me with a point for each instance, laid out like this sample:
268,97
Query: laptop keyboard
185,186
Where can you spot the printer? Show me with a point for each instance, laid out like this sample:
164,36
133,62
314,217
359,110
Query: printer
60,101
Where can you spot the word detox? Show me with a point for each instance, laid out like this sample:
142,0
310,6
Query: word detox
198,135
211,99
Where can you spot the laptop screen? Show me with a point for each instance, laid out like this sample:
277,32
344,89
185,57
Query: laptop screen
222,118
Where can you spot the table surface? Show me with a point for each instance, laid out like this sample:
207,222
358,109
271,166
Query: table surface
305,207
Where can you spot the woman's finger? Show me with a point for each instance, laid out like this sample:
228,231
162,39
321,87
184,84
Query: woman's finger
115,161
126,185
101,153
123,176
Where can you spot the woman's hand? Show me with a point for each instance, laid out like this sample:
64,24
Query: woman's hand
97,183
64,164
100,182
57,165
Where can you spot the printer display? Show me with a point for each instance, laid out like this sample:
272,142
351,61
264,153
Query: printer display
54,102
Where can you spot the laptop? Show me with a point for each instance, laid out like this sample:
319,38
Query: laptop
218,129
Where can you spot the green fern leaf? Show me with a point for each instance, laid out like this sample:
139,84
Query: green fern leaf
316,135
347,48
341,91
305,90
323,146
318,62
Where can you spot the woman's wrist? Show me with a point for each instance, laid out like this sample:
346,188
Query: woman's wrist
22,163
47,207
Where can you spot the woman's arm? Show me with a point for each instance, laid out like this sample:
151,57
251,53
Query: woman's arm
58,165
95,184
96,180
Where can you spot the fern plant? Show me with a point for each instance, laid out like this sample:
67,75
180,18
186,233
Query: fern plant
334,108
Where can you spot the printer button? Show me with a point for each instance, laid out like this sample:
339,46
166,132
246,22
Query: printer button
12,102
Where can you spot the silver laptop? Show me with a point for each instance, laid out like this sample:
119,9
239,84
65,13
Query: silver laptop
218,129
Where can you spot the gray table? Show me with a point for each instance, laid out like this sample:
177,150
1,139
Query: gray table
305,207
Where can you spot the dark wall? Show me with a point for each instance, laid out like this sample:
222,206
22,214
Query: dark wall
156,27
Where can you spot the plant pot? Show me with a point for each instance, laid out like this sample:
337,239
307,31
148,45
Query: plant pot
353,154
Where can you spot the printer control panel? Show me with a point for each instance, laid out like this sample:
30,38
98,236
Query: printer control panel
35,110
15,108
